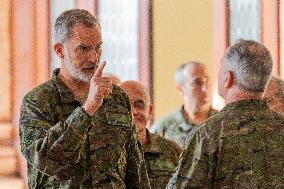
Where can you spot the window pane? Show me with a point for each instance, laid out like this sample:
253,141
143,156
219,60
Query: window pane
244,20
56,8
119,23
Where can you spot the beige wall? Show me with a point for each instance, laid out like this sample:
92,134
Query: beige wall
182,30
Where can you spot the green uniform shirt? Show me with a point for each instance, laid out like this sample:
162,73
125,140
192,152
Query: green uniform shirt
65,148
174,126
240,147
161,156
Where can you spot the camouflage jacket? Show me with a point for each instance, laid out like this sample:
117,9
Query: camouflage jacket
65,148
161,156
240,147
175,126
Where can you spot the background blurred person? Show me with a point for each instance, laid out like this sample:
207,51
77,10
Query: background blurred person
274,94
161,155
114,79
193,85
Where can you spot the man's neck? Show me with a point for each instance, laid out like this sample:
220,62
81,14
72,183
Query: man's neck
238,94
197,116
79,88
142,135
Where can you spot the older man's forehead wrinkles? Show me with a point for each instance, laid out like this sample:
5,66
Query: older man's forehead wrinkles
87,38
204,79
87,35
86,41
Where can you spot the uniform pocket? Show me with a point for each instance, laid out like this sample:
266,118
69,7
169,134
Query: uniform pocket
161,165
118,119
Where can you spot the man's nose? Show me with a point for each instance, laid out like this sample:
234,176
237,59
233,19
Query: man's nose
134,111
93,56
204,88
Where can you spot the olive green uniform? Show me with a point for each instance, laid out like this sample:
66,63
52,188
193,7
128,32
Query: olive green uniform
65,148
240,147
161,156
175,126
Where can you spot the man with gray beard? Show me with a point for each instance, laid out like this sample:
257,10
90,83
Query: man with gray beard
76,129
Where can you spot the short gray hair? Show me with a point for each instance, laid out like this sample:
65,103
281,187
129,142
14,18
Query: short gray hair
251,64
179,75
66,20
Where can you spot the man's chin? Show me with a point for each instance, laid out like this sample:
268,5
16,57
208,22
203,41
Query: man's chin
84,77
85,80
139,127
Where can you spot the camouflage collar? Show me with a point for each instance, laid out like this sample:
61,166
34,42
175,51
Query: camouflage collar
250,104
185,123
65,93
181,116
152,141
212,112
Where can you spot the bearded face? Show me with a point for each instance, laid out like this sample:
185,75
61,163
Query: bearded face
82,52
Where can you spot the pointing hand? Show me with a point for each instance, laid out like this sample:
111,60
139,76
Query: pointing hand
100,87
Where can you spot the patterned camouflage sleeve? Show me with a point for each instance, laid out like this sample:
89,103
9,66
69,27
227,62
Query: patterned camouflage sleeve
194,169
136,175
53,148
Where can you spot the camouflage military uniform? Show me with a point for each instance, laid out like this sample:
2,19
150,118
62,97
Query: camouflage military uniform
175,126
161,156
240,147
65,148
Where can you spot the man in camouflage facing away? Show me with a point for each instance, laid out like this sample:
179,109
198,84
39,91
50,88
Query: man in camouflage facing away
242,146
76,129
161,155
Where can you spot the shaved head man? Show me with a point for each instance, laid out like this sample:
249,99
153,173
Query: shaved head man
161,155
193,85
141,106
114,79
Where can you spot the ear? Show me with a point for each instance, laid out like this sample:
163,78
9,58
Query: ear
179,89
229,79
150,109
58,48
150,116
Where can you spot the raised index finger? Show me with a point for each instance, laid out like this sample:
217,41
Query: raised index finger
99,71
